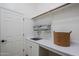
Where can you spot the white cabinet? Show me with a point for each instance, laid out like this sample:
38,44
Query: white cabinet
32,48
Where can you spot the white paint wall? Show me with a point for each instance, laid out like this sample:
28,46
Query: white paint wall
31,9
43,20
26,9
65,19
40,8
28,28
43,7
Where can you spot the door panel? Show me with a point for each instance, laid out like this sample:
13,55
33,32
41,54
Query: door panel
11,31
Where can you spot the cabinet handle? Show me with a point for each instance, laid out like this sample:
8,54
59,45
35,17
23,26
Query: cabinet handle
30,46
26,55
23,50
3,41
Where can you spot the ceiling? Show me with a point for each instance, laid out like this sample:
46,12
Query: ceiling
30,9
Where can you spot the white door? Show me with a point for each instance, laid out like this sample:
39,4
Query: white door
11,33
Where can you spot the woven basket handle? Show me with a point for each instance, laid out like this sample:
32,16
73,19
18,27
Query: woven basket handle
70,32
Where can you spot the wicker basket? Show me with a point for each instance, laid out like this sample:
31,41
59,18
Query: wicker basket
62,38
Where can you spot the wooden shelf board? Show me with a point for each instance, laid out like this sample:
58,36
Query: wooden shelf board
51,10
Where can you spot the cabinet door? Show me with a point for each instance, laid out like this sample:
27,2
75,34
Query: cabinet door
27,48
35,49
32,48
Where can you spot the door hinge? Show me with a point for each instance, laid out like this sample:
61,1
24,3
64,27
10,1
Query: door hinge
23,50
23,34
23,19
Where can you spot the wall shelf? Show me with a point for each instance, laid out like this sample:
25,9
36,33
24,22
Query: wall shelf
51,10
42,28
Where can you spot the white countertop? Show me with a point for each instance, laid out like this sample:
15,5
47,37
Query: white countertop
72,50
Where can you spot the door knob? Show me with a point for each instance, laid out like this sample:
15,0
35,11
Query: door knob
3,41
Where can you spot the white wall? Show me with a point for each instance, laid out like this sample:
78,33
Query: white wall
43,20
31,9
28,28
65,19
40,8
43,7
24,8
